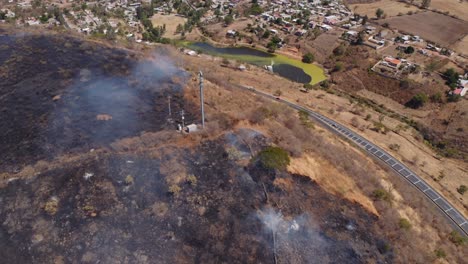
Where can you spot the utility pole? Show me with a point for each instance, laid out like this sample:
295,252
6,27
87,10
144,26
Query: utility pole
169,102
183,121
201,99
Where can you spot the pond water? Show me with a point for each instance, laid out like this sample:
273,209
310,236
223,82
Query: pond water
292,69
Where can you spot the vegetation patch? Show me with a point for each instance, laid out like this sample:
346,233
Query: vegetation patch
274,158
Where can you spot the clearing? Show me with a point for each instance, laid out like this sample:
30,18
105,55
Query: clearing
171,22
453,7
391,8
432,26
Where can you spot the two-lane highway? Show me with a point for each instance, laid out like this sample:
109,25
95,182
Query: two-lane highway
449,211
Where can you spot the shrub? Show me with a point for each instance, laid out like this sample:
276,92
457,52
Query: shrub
192,180
51,206
436,98
379,13
440,253
404,224
394,147
368,117
129,180
457,239
462,189
308,58
417,101
338,66
409,50
174,189
381,195
274,158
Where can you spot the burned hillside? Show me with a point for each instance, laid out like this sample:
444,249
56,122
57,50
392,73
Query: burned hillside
61,94
115,207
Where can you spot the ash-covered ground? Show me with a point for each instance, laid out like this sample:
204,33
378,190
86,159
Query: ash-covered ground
60,94
203,202
119,208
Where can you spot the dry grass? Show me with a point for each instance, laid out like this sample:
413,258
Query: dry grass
171,22
330,179
458,8
390,7
431,26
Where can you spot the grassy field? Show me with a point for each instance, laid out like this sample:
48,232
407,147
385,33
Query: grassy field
431,26
171,22
390,7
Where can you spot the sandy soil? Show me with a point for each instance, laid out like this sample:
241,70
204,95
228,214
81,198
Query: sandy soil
431,26
171,22
390,7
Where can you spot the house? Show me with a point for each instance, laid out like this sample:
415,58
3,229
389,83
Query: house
231,33
331,20
300,32
392,62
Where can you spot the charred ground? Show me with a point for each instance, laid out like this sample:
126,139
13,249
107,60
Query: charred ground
53,88
184,199
220,218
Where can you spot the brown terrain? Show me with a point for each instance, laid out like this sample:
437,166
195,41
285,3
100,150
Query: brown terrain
432,26
93,171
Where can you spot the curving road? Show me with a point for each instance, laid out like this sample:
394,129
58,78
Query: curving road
449,211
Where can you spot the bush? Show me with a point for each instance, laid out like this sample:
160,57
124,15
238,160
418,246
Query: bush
394,147
192,180
462,189
409,50
436,98
379,13
338,67
457,239
174,189
417,101
451,76
440,253
308,58
274,158
404,224
381,195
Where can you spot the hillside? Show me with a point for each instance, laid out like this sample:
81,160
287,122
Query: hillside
93,170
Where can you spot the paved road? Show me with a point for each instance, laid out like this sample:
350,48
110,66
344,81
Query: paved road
458,220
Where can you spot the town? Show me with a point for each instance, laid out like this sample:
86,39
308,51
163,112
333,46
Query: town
279,25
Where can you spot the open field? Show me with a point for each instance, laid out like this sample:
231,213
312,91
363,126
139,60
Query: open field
458,8
390,7
461,46
171,22
431,26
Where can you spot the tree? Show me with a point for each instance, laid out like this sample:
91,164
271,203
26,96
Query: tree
308,58
228,20
179,28
417,101
425,3
409,50
379,13
364,19
271,46
266,34
451,76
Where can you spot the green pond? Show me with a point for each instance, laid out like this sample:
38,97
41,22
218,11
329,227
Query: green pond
292,69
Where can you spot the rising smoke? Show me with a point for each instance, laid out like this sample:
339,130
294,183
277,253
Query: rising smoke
294,239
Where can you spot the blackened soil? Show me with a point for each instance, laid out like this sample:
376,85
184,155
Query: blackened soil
53,88
108,218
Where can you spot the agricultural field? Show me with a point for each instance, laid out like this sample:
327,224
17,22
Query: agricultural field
171,22
432,26
458,8
390,7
